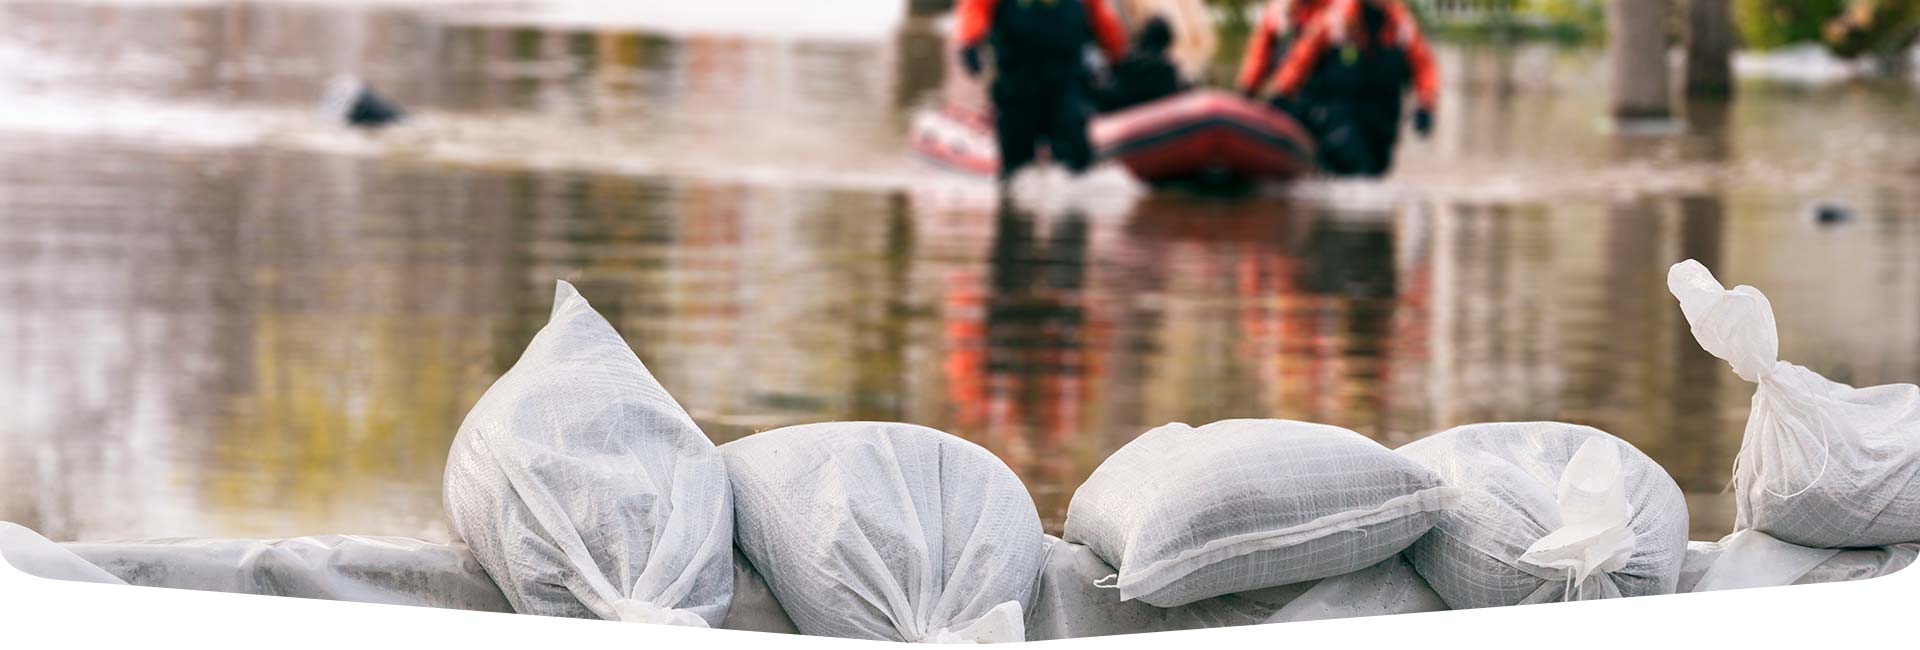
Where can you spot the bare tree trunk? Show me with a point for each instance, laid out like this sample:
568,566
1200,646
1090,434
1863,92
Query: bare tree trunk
1709,48
1637,32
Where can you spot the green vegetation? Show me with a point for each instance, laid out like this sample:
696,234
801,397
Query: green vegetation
1881,28
1767,24
1555,20
1849,27
1472,20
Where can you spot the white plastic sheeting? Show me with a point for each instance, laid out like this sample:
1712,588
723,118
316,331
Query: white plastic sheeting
886,531
34,555
385,570
1822,464
1390,587
1068,604
1550,512
1750,558
1237,505
585,490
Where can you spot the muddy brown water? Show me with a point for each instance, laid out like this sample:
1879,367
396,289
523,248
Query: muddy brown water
220,316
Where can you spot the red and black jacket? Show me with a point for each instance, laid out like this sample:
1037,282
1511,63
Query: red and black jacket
1039,40
1341,26
1280,22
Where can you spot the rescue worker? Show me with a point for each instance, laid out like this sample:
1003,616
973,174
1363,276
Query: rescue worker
1280,23
1146,73
1041,82
1347,78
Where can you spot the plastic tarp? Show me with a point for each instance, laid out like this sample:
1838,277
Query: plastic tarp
887,531
34,555
1069,602
1821,464
1749,558
1237,505
585,490
1390,587
1551,512
385,570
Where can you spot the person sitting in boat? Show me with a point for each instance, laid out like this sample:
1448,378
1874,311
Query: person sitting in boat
1146,73
1280,23
1195,36
1041,83
1347,77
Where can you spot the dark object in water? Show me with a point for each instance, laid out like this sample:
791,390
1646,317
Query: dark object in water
351,100
1830,214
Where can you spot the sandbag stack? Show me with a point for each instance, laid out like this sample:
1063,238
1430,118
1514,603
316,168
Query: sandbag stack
582,489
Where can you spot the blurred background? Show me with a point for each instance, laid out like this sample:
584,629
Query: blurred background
224,315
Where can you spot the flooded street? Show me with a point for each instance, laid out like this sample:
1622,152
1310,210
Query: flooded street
222,316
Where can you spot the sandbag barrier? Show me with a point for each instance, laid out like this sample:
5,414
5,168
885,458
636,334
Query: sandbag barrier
898,532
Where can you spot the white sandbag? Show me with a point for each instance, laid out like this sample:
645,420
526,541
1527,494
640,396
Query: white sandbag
1069,603
384,570
1822,464
585,490
23,549
886,531
1550,512
1239,505
754,607
1750,558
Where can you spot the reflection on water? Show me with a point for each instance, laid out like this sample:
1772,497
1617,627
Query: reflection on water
270,338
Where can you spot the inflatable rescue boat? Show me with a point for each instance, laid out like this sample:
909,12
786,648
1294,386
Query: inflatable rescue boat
1195,134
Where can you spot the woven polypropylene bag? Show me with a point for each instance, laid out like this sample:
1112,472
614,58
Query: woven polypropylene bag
1239,505
1069,603
1821,464
886,531
1548,512
585,490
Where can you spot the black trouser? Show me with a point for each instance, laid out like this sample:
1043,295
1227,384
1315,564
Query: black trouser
1357,136
1353,110
1031,113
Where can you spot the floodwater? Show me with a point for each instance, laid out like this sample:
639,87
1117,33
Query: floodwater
221,316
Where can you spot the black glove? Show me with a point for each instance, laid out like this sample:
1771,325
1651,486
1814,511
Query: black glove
970,59
1423,122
